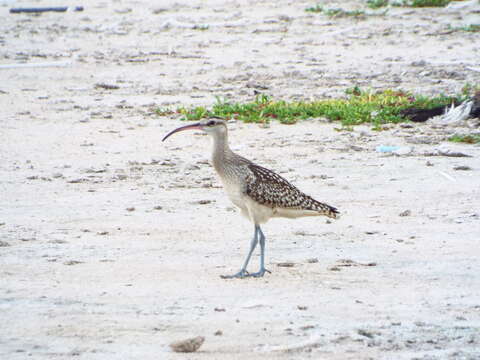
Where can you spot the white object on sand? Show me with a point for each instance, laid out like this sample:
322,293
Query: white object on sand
455,114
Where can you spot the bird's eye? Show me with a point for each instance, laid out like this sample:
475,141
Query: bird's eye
211,123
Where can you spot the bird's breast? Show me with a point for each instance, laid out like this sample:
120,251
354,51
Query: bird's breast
234,192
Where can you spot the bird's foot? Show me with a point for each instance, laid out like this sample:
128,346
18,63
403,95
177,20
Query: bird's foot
239,275
260,273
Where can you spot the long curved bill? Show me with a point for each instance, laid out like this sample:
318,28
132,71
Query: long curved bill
182,128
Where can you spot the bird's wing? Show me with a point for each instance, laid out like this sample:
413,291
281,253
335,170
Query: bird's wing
270,189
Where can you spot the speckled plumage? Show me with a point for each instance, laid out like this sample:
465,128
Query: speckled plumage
270,189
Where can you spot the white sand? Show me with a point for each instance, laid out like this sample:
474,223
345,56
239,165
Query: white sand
85,277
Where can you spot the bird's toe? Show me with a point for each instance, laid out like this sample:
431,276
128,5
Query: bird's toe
259,273
239,275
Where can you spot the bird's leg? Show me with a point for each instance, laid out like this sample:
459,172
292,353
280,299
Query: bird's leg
243,271
262,270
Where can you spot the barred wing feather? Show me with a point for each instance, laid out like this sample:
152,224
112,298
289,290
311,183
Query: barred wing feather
270,189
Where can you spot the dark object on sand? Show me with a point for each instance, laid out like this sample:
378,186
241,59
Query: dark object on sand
106,86
422,115
45,9
475,112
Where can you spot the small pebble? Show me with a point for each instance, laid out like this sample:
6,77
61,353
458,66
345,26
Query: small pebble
106,86
333,268
405,213
462,167
218,333
130,208
365,333
58,241
286,264
419,63
159,10
72,262
307,327
188,345
76,181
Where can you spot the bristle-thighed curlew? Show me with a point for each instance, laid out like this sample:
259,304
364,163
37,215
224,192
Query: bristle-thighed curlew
258,192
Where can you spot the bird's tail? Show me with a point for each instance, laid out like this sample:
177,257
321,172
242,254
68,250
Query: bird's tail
332,212
327,210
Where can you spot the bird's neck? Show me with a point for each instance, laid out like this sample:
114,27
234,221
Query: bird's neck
221,151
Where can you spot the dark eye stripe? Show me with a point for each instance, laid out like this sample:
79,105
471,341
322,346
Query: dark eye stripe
211,123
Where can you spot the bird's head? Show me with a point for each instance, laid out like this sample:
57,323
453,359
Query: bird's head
210,126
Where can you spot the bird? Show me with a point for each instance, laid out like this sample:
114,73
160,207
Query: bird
259,193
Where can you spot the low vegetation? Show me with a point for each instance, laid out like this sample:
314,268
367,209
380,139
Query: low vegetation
469,139
424,3
358,107
336,12
376,4
315,9
467,28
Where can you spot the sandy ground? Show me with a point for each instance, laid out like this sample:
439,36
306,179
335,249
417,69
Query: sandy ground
112,242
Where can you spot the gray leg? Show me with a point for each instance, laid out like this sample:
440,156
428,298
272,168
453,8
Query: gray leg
243,271
262,270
